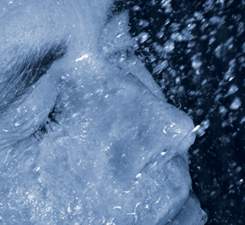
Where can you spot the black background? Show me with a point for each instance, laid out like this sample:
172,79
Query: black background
216,44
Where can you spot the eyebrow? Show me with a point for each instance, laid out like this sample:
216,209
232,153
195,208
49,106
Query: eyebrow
28,69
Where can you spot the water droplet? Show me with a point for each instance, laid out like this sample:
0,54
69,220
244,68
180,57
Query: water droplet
235,104
139,175
16,124
163,153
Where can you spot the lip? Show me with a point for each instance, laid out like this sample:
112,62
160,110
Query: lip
166,177
199,217
180,149
162,158
170,165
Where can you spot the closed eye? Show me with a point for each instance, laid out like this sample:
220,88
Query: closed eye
38,66
49,124
28,70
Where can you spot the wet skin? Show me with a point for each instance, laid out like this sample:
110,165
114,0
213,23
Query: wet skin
85,138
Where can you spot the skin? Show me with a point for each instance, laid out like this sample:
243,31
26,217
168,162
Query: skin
86,138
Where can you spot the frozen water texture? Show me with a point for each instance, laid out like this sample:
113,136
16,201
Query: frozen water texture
86,136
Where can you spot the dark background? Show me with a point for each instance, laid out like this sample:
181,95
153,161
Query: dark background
196,52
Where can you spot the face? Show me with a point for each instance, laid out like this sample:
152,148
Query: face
86,136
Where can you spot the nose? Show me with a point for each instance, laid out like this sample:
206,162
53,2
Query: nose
169,127
156,129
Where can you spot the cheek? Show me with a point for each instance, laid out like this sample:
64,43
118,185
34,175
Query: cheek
78,150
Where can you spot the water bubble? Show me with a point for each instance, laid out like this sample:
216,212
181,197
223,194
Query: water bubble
233,89
235,104
143,37
169,46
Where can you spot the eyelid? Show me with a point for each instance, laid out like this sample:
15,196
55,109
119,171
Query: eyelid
39,66
24,116
27,71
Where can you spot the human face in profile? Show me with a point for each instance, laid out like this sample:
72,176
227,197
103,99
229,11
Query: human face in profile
86,136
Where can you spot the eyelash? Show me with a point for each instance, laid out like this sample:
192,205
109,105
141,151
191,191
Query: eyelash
49,123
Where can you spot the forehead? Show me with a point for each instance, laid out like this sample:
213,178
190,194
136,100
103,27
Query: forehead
59,15
96,7
100,3
31,23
